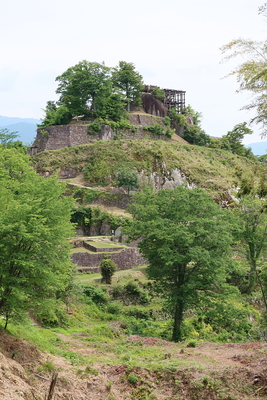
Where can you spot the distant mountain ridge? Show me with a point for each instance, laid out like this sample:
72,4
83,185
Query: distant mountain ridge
258,148
26,127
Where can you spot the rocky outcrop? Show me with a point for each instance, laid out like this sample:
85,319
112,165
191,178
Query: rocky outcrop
153,106
162,178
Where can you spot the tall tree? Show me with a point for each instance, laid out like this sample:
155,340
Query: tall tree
128,81
34,227
185,237
252,211
83,86
251,74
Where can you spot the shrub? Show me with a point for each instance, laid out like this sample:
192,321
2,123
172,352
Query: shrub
195,135
94,128
131,293
167,121
96,294
114,308
132,378
107,268
138,312
158,129
158,93
176,118
51,313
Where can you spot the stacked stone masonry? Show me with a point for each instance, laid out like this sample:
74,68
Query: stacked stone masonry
60,136
125,259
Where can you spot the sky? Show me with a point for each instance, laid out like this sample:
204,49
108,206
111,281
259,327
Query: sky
174,44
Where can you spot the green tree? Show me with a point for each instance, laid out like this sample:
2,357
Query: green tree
158,93
196,116
83,86
112,107
176,118
185,237
251,74
7,137
127,178
56,115
232,141
107,268
34,224
252,211
128,81
193,134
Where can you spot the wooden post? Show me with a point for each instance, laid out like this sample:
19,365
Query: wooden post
52,387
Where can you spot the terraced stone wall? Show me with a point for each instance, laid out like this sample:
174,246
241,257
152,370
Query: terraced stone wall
125,259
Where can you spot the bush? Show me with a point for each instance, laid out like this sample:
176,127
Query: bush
94,128
96,294
132,378
131,293
158,93
51,313
138,312
114,307
193,134
158,129
176,118
107,268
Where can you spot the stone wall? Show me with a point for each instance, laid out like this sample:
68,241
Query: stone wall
91,247
126,259
59,136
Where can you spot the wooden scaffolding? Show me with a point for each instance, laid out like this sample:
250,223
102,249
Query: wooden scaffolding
175,99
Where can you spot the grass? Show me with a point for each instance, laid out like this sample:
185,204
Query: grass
101,245
211,169
121,276
107,349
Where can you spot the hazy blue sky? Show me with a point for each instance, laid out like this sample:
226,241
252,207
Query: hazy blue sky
173,44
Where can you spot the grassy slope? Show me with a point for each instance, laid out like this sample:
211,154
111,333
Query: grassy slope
211,169
98,358
131,367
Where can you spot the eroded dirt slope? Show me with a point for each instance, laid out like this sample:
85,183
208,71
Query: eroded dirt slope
209,371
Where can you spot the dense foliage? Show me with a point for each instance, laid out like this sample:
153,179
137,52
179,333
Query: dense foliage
107,269
34,225
91,89
185,236
251,74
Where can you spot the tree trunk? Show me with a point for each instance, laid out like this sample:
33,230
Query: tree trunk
177,322
252,279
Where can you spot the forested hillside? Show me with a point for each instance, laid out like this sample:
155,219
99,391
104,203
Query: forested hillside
197,214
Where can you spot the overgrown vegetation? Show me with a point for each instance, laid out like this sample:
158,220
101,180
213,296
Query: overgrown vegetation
34,225
212,169
92,90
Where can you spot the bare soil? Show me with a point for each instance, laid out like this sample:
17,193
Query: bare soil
212,371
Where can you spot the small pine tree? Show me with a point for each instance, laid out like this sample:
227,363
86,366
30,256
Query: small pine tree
107,268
